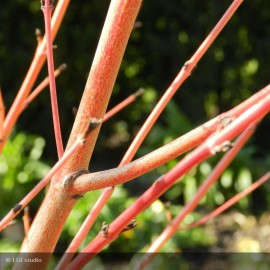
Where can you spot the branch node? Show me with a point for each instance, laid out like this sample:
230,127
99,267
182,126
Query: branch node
139,92
77,196
72,178
43,4
130,226
62,67
187,63
225,121
17,208
105,229
38,35
93,124
224,147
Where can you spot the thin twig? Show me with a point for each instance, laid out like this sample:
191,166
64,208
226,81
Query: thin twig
25,201
228,203
43,85
178,81
47,11
123,104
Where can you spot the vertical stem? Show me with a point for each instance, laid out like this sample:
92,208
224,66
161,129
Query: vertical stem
47,11
57,204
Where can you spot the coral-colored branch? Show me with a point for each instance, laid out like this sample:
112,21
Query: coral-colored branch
47,11
58,204
123,104
31,76
216,143
213,177
229,203
43,85
156,158
25,201
178,81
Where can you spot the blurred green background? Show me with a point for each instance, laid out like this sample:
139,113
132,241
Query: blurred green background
235,67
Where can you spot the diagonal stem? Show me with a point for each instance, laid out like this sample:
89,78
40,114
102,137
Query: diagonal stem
178,81
229,203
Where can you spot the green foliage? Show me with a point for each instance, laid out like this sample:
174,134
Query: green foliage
20,169
20,165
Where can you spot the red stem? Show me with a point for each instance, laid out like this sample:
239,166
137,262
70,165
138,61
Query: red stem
221,166
122,104
178,81
47,11
197,156
43,85
229,203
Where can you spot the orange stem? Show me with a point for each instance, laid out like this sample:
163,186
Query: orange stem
43,85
